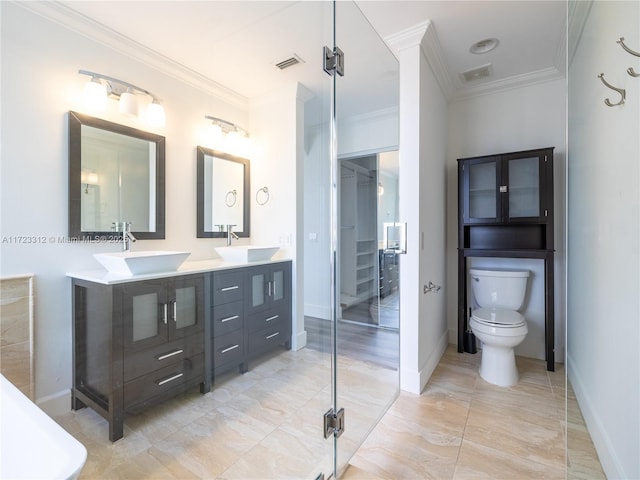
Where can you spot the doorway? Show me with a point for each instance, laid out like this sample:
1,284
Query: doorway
369,267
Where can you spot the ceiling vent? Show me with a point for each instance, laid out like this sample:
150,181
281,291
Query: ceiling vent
476,73
289,62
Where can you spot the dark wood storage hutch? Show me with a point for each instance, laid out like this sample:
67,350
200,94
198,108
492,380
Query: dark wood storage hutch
505,209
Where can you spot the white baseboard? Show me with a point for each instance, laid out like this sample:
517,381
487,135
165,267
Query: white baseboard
299,341
56,403
414,382
433,360
317,311
608,459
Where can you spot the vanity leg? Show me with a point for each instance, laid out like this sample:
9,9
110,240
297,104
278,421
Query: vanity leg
116,429
244,367
76,403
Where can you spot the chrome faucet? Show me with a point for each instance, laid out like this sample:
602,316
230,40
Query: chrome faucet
127,236
230,235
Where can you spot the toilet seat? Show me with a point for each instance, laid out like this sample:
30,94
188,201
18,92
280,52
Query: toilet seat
498,317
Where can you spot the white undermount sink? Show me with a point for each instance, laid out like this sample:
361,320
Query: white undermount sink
246,253
135,263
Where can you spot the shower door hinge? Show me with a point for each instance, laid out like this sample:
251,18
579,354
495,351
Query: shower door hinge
333,423
333,61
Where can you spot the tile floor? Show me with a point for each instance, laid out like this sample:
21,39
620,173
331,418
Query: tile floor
264,425
462,427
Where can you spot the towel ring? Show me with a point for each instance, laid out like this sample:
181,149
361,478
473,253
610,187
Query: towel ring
262,199
230,198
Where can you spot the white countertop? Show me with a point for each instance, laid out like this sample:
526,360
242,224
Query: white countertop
187,268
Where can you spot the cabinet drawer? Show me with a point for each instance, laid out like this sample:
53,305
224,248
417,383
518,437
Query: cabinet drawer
143,389
227,287
228,348
261,320
151,359
227,318
276,334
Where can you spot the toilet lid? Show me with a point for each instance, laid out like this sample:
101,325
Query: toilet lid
498,316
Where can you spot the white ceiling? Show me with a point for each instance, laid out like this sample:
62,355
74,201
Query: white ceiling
232,46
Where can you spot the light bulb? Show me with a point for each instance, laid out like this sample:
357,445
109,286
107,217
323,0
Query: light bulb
215,133
95,95
129,103
155,114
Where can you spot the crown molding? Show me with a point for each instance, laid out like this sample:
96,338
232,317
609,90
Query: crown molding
577,13
96,31
424,35
517,81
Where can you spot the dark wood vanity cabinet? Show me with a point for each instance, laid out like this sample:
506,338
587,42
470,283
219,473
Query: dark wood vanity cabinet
250,314
136,344
227,321
268,307
505,209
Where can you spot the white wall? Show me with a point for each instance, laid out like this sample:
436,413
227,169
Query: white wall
40,84
604,228
422,159
277,162
513,120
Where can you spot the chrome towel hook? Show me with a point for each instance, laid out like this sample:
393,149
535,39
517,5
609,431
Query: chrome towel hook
630,70
627,49
621,91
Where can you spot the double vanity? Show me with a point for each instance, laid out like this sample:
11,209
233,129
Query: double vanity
149,326
142,336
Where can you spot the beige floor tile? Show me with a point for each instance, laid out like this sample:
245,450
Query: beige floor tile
267,424
479,461
532,437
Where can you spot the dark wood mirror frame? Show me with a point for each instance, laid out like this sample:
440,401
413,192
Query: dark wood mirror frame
201,153
76,120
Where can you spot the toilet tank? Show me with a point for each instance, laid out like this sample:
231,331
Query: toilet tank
499,288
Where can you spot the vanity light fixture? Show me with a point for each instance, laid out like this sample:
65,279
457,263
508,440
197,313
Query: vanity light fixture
235,138
100,87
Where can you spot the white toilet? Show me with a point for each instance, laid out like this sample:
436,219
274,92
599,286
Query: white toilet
497,323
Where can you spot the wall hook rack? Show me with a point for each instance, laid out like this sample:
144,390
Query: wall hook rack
630,70
621,91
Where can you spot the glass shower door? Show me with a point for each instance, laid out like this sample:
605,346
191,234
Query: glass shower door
365,113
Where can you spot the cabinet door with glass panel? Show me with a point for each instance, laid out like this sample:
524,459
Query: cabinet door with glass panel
481,198
526,178
157,311
268,287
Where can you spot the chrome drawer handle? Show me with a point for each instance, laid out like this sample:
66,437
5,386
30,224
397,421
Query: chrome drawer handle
229,349
272,335
177,352
165,314
167,380
271,318
228,319
226,289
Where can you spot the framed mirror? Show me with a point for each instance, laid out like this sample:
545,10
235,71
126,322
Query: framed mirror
116,174
223,194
